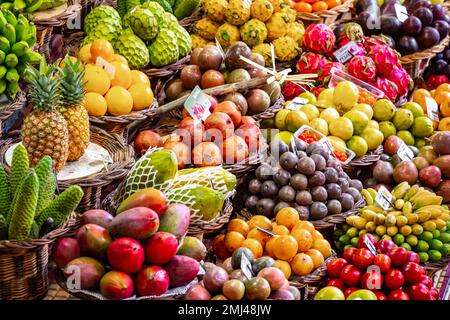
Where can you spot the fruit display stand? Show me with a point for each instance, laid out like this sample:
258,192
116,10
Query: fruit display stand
327,16
8,110
24,265
105,176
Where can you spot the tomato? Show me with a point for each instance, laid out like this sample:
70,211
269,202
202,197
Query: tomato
393,279
413,257
336,282
372,280
434,293
411,272
349,291
329,293
362,294
426,280
385,245
383,262
419,291
380,295
362,239
351,276
362,258
399,256
348,254
335,266
398,295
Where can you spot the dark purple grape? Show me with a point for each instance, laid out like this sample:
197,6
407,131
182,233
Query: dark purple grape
369,22
418,4
412,26
438,12
446,55
428,37
390,25
425,15
442,27
407,45
439,67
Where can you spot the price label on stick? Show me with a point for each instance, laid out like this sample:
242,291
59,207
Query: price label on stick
370,246
296,103
384,198
198,104
401,12
265,231
345,53
105,65
432,109
246,267
405,153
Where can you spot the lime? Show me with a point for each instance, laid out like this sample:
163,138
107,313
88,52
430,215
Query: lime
345,239
412,240
337,233
426,235
399,239
435,244
345,227
385,236
361,232
348,246
435,255
436,234
445,250
354,241
352,232
423,256
340,245
406,246
445,237
422,246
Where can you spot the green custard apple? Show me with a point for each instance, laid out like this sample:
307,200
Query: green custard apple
143,23
164,49
133,49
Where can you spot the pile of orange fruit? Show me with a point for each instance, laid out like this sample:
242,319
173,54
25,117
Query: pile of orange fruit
117,93
442,97
297,247
308,6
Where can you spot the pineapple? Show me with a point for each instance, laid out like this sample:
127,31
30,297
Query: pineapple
72,89
45,131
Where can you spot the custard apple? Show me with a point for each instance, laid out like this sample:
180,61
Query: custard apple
183,40
133,49
101,15
164,49
172,22
105,31
143,23
158,12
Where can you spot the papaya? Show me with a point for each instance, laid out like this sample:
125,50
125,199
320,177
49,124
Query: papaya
192,247
137,223
182,270
216,178
149,198
175,220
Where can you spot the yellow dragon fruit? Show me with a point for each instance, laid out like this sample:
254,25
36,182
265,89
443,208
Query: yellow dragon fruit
227,34
238,12
286,48
261,10
254,32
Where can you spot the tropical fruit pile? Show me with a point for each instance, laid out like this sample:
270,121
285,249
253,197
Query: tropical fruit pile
383,271
28,206
256,23
142,258
17,38
115,89
292,245
145,34
315,5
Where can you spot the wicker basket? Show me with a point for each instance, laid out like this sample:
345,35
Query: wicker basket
327,16
8,110
433,267
99,184
368,159
23,265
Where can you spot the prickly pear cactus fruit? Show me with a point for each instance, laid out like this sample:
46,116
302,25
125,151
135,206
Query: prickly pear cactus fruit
261,10
227,34
164,50
238,12
183,40
253,32
199,42
143,23
264,50
215,9
205,28
133,49
285,48
158,12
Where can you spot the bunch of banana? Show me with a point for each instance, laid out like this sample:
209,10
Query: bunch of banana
17,37
27,6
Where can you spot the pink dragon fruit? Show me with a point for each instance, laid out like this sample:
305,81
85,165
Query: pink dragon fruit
437,79
401,78
290,90
310,63
319,38
363,68
352,32
373,41
385,58
325,71
388,87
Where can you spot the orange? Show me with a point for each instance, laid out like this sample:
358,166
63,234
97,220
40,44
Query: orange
316,257
287,217
280,230
142,96
285,267
303,7
260,221
218,247
333,3
442,97
444,124
302,264
419,97
285,247
101,48
122,75
316,235
304,225
119,101
319,6
233,240
269,245
96,79
118,58
304,239
238,225
254,246
323,246
443,87
258,235
139,77
85,53
95,104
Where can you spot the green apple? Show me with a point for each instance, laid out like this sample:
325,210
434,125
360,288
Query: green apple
329,293
362,294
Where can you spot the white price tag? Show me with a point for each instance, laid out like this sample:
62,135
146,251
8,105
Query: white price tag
296,103
383,198
345,53
98,156
370,246
300,100
405,153
198,104
401,12
246,267
105,65
432,109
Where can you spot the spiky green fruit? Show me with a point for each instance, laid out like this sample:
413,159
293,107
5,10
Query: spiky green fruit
5,196
101,15
183,40
47,183
19,167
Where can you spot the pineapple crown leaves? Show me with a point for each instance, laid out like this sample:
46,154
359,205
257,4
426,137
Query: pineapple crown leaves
45,88
72,82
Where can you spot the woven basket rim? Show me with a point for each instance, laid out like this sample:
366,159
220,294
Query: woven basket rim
71,12
126,118
345,7
425,54
368,159
13,106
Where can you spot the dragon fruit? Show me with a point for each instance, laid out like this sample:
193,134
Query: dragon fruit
352,32
290,90
310,63
374,41
325,71
388,87
363,68
401,78
319,38
385,58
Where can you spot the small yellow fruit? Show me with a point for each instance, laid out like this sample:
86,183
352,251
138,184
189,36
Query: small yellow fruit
139,77
85,53
118,58
142,96
101,48
95,104
119,101
96,79
122,75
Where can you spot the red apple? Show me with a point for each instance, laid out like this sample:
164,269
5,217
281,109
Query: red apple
426,280
348,254
380,295
413,257
351,275
336,282
349,291
383,262
398,295
366,237
335,266
412,272
385,245
362,258
147,139
419,291
393,279
399,256
372,280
